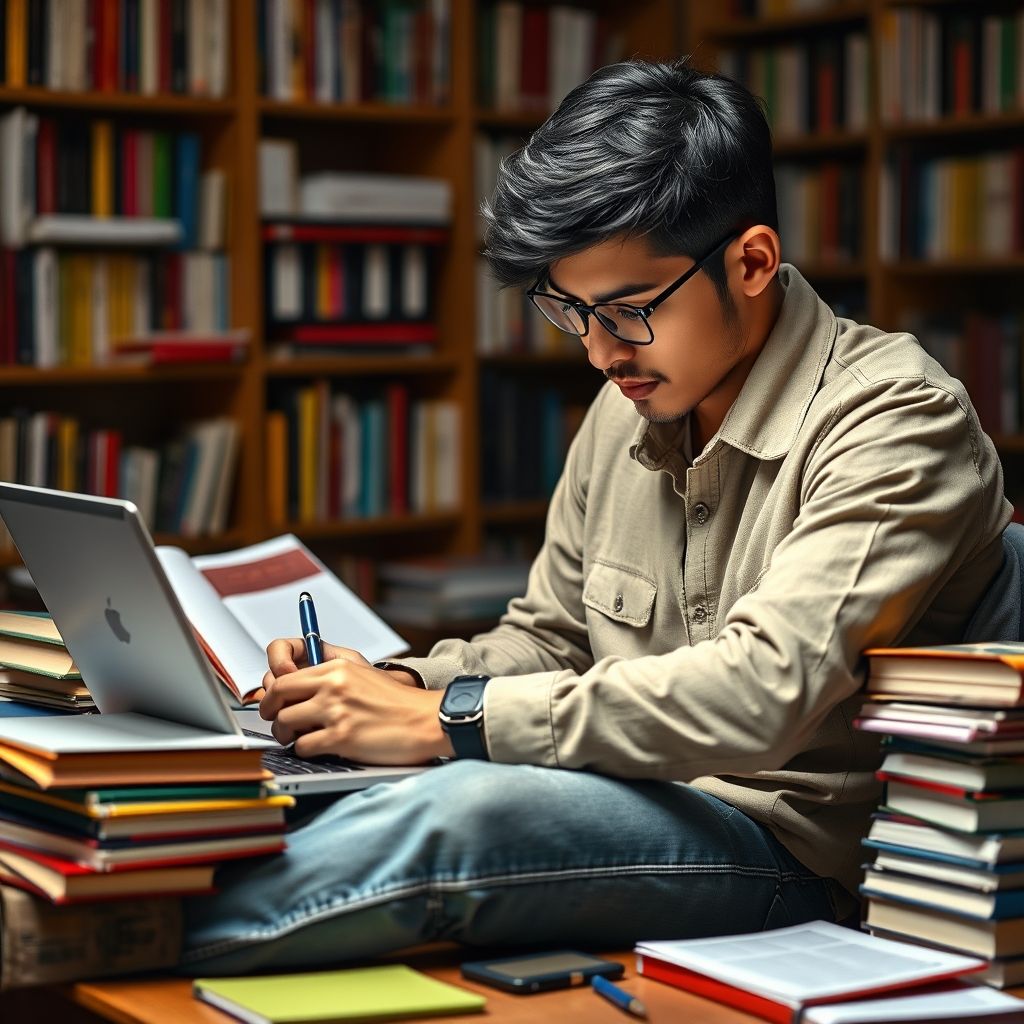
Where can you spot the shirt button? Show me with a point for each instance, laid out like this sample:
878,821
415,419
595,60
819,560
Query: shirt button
700,614
617,605
701,513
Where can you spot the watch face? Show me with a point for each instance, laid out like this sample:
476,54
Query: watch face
463,698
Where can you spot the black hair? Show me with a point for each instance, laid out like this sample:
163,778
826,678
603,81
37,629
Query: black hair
663,151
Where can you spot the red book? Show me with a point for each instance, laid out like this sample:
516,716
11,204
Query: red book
362,334
398,444
364,234
129,172
8,310
46,166
962,72
308,43
826,97
112,464
533,70
106,45
164,45
943,787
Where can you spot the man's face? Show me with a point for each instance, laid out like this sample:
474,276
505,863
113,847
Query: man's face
696,351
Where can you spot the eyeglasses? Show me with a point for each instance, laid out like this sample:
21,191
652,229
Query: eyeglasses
627,323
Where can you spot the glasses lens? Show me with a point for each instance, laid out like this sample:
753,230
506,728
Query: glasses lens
625,322
562,314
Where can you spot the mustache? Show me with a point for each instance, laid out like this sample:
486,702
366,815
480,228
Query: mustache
613,375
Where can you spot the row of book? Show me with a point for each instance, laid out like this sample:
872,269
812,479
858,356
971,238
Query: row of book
134,46
351,51
54,167
349,275
774,8
335,456
508,322
530,55
948,847
79,308
808,88
185,486
950,63
526,433
984,352
934,208
820,211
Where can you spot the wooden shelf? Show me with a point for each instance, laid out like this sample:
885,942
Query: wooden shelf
98,102
513,513
339,366
390,113
952,127
754,28
61,375
817,144
411,524
554,360
1009,442
963,265
833,271
510,120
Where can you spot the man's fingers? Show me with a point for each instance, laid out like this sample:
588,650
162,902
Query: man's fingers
288,690
334,653
286,655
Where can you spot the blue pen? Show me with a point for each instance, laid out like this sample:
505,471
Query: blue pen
620,997
310,629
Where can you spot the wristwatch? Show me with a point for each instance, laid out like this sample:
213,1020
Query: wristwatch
462,716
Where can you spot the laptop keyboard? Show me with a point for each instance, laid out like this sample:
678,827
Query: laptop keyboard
280,762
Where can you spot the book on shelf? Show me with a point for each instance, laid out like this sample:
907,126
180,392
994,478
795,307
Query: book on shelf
385,992
88,940
808,87
971,674
145,47
238,601
820,211
172,348
64,881
980,937
766,973
392,51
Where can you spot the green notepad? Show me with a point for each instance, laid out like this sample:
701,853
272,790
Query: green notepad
356,994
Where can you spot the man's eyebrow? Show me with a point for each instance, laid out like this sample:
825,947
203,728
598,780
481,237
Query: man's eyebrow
615,293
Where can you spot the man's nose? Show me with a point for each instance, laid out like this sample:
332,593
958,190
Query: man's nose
604,349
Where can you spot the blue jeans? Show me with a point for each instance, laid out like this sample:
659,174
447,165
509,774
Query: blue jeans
492,854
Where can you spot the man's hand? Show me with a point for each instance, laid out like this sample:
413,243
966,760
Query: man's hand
347,707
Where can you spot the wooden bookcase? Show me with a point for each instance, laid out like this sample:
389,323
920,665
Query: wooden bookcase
436,141
889,288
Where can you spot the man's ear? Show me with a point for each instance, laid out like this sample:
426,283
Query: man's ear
754,258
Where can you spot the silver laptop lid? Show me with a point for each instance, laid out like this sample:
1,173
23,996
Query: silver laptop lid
92,560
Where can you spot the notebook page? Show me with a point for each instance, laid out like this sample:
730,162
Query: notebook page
809,962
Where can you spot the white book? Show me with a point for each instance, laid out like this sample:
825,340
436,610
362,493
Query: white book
149,54
239,601
141,296
198,76
147,462
448,456
38,428
56,38
383,197
279,173
414,282
75,73
46,307
376,282
212,207
960,1003
99,307
78,229
14,211
351,455
286,273
508,32
217,47
326,52
279,85
210,439
220,505
806,964
418,427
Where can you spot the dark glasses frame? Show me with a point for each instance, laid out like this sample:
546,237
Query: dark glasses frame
643,313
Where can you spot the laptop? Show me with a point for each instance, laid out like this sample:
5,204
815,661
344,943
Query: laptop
93,562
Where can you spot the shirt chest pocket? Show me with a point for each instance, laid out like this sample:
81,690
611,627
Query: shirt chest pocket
622,595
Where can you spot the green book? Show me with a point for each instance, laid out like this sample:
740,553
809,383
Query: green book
356,994
162,205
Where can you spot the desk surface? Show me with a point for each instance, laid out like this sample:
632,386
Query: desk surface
163,1000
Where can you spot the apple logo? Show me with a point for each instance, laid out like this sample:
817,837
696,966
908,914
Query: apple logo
113,617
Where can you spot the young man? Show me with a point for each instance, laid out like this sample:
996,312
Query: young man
759,492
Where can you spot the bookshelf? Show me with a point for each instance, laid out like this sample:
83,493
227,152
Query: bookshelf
376,135
938,98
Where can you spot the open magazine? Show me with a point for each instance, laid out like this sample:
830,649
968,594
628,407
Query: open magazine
240,600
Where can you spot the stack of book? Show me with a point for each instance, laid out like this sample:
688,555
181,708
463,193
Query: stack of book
35,666
124,816
949,838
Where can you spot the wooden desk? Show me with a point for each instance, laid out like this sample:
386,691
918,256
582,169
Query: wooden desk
169,1000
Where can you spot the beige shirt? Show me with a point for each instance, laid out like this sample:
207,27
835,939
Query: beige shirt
704,623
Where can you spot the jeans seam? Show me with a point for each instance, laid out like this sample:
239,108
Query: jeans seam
434,885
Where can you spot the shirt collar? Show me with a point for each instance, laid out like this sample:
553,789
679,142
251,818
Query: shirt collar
773,402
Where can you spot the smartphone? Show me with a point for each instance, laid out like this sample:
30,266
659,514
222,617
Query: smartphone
541,972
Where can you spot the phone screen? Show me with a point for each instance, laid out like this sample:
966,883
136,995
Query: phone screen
553,963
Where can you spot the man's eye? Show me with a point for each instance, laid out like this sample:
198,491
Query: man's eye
628,313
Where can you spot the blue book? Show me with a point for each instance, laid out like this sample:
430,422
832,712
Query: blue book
18,709
1007,868
946,899
186,187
